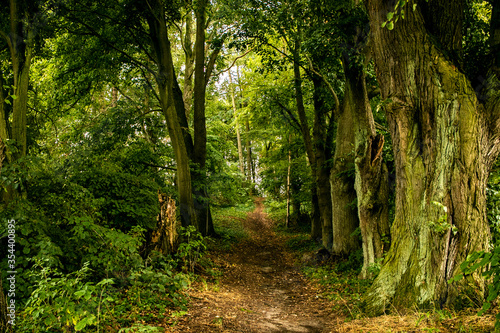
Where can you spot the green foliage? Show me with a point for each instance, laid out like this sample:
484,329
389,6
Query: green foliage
441,225
63,302
191,248
141,328
488,265
228,223
302,243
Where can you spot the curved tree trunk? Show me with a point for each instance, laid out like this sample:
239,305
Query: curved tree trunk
443,147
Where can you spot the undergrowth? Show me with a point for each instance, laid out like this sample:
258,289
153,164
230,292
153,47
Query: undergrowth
228,224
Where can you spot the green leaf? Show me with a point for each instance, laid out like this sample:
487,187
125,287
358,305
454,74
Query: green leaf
81,324
390,26
390,15
414,6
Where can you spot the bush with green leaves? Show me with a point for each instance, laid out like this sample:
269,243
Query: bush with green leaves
488,264
191,248
64,302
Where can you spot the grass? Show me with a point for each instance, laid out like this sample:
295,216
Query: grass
228,223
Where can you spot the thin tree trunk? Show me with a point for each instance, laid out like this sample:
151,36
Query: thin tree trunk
189,65
237,126
316,221
288,184
444,144
249,152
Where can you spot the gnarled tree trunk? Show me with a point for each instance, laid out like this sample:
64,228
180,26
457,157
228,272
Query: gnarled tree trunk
444,142
371,179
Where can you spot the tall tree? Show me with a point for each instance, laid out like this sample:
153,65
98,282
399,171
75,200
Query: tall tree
18,33
156,20
371,174
445,139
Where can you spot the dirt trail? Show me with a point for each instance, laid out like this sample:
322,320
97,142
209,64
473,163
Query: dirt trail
260,291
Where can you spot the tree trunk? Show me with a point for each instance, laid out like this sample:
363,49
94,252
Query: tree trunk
288,174
20,43
316,221
5,320
371,184
322,151
443,148
237,126
189,65
202,204
344,215
165,81
250,172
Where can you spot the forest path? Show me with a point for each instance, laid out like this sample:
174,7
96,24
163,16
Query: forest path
261,289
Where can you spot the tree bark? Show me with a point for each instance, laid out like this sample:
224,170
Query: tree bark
20,44
165,81
323,155
288,174
444,142
371,179
344,215
237,126
201,79
5,326
189,65
250,169
316,221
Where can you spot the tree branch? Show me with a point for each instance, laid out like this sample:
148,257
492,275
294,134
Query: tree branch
234,61
291,118
335,97
7,38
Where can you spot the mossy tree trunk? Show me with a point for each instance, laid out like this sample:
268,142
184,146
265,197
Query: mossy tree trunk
444,140
14,102
165,80
371,175
202,73
344,214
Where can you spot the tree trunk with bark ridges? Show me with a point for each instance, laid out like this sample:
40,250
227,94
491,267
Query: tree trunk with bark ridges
371,182
444,142
165,80
322,151
344,214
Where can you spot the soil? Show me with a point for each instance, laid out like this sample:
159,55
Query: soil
261,289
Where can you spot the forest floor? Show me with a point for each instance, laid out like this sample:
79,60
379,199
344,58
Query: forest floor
262,289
